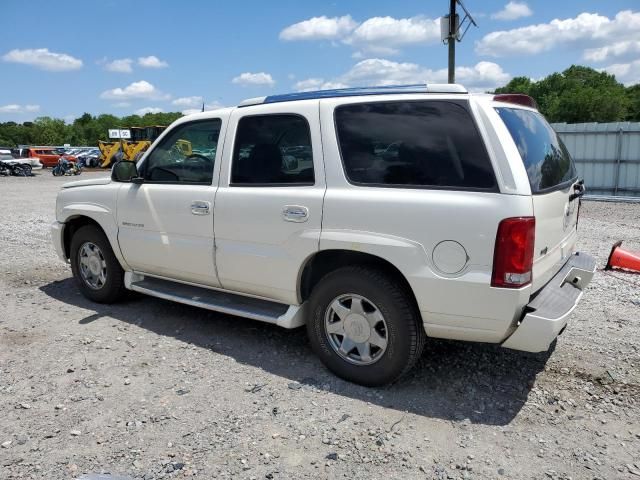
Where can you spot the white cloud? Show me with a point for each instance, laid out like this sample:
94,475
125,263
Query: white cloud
376,35
248,78
120,65
141,89
44,59
207,107
376,71
311,84
152,62
145,110
15,108
187,101
383,35
627,73
618,49
320,28
513,11
587,30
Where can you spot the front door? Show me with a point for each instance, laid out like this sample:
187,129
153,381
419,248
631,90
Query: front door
165,224
269,203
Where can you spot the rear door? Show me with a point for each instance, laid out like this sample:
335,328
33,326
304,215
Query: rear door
553,179
269,202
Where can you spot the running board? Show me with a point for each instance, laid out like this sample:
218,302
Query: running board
287,316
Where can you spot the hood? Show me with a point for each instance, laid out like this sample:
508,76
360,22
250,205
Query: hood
88,183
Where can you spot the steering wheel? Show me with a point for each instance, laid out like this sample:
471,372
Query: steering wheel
196,157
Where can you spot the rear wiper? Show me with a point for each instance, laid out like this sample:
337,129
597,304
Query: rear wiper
578,189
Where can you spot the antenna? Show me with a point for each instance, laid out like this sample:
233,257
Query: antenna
450,27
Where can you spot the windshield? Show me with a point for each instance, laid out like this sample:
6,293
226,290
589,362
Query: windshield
545,157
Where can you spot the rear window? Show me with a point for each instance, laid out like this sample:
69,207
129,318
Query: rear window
416,144
545,157
273,150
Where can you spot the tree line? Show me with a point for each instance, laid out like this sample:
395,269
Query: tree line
84,130
578,94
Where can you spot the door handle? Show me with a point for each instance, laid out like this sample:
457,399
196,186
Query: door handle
200,208
295,213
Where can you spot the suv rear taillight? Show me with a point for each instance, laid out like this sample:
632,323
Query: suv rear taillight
513,255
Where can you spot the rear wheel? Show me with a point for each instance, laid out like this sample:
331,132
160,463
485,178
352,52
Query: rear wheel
97,271
364,326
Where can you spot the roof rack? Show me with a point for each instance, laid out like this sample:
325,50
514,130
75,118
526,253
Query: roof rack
357,91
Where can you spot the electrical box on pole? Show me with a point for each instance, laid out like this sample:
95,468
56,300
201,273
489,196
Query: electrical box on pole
452,30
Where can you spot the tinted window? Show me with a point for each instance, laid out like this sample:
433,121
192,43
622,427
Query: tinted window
420,144
185,155
273,149
545,157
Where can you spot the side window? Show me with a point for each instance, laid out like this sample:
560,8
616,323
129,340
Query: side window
185,155
272,150
430,144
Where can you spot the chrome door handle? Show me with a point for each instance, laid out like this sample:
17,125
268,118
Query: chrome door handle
295,213
200,208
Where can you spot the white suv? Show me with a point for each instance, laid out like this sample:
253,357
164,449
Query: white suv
376,217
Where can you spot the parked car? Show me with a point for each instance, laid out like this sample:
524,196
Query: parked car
422,212
89,158
48,156
33,162
12,166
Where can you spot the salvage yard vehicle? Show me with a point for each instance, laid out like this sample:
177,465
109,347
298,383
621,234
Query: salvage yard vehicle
48,156
33,162
66,167
18,167
377,217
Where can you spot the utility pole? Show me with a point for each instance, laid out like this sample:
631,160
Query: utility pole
451,40
450,26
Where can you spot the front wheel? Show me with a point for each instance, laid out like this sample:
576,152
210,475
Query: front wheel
364,326
97,271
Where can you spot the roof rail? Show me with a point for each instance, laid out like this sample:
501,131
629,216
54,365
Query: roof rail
357,91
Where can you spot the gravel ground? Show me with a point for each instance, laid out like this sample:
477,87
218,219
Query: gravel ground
150,389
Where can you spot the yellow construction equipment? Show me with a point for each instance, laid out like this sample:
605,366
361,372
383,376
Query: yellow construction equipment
132,149
107,151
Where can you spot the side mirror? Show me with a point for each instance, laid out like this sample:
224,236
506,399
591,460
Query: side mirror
125,171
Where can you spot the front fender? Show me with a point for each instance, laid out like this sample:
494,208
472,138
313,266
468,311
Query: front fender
101,215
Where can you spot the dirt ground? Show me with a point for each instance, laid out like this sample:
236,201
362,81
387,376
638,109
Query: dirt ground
148,389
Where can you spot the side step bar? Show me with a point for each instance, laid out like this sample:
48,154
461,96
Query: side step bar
287,316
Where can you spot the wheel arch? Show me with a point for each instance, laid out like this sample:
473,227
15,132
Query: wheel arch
78,220
324,262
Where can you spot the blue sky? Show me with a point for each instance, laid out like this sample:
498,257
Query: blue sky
63,58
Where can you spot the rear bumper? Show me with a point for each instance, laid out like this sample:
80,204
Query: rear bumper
57,236
547,314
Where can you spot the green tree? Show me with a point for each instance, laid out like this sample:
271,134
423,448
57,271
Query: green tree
578,94
633,97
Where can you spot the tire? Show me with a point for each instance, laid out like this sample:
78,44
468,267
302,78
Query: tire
375,292
101,266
